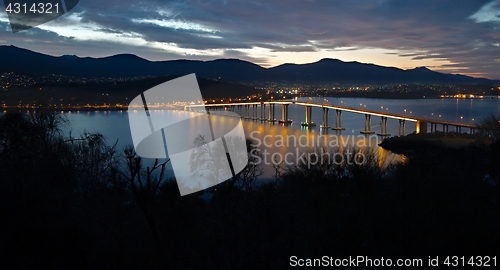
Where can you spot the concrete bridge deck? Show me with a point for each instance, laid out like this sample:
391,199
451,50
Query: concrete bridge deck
247,108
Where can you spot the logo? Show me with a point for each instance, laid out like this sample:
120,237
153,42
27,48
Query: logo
24,14
171,121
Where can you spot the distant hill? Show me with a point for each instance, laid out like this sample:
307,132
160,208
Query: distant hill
333,70
232,70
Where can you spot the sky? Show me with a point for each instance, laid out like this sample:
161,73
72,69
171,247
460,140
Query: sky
456,36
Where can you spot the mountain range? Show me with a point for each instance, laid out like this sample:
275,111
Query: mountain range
325,71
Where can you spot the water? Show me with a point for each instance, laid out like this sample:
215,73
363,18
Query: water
455,110
276,141
112,124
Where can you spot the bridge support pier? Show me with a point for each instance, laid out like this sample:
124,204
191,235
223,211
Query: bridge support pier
368,125
262,111
254,111
434,127
271,113
284,115
402,127
420,127
324,123
308,122
338,120
445,128
383,126
245,112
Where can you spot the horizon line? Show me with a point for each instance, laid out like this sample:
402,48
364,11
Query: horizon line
242,60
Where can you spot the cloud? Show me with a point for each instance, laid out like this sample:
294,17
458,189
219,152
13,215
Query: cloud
488,13
463,33
291,48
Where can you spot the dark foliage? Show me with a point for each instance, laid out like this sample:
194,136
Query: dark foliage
68,203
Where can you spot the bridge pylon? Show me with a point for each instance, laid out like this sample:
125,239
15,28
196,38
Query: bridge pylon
368,125
308,122
401,127
263,111
383,126
338,120
284,115
271,118
324,123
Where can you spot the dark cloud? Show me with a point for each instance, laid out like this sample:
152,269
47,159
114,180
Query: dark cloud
424,29
292,48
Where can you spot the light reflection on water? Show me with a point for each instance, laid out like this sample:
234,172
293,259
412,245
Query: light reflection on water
114,124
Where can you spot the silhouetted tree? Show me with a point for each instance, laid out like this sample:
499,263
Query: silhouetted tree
144,184
489,127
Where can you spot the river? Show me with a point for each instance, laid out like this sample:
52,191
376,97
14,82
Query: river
275,140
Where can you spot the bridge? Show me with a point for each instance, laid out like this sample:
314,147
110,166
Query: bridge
265,111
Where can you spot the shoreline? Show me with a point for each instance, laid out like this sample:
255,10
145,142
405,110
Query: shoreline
61,109
413,143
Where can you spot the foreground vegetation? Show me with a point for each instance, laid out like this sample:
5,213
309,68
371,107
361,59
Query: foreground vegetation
70,202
